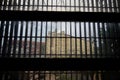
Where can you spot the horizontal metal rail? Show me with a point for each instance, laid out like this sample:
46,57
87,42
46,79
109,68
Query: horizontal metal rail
59,64
59,16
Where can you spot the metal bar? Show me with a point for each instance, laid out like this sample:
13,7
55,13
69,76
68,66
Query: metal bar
28,6
23,5
94,40
61,16
108,37
36,45
1,34
85,39
51,40
41,38
19,3
35,48
25,41
61,39
100,40
80,32
30,44
20,40
104,40
56,47
90,40
110,5
76,50
5,43
66,50
9,4
46,40
71,50
15,39
4,4
1,1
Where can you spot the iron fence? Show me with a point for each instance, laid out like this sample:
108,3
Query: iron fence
62,5
40,39
81,35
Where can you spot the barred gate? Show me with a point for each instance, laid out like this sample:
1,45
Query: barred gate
60,29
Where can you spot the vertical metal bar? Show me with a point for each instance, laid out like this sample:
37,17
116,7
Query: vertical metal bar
117,37
23,5
1,1
37,5
28,6
118,5
9,4
74,5
61,39
33,7
5,43
94,35
25,41
99,40
70,5
71,50
97,8
114,6
36,41
1,34
56,5
66,75
83,5
88,6
85,40
11,41
36,28
110,5
41,38
14,4
20,41
92,5
90,40
33,75
106,6
76,54
80,39
15,38
4,4
113,36
55,37
19,5
79,5
30,44
48,6
104,40
51,5
51,42
46,39
66,5
101,5
70,75
66,51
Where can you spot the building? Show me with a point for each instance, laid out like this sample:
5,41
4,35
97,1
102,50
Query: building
28,49
63,45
